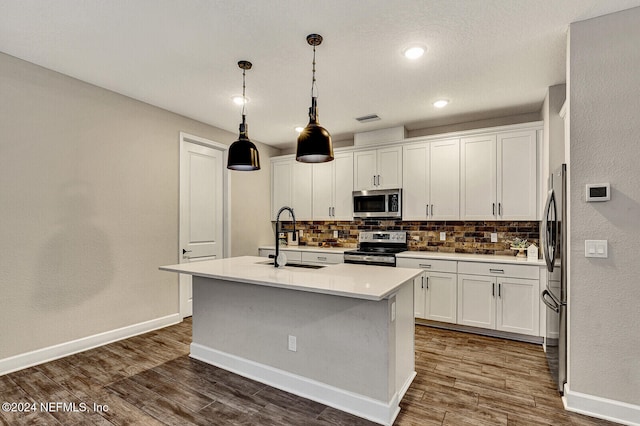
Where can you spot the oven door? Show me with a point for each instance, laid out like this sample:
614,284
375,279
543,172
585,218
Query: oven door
368,259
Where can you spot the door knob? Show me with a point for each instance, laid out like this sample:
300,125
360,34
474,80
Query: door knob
184,251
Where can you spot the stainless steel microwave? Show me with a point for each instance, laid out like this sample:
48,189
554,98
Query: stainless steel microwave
378,203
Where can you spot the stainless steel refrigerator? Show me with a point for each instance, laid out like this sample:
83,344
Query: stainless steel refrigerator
554,246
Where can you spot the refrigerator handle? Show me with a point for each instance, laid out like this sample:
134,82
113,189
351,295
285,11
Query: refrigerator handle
553,305
549,238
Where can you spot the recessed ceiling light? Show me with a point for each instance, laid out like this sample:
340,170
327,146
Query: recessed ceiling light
440,103
299,129
239,99
413,52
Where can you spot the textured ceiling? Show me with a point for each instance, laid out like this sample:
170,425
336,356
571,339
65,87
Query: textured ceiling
488,57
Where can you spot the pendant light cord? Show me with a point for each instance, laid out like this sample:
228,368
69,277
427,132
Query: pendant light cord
244,99
313,79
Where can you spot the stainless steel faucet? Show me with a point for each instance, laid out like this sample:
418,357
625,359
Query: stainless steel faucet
293,216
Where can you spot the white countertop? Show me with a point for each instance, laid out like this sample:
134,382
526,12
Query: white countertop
470,257
467,257
348,280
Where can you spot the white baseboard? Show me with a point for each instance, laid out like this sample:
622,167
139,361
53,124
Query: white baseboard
602,408
40,356
359,405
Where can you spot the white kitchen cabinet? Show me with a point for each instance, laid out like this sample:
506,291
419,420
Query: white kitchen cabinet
476,301
430,176
501,297
378,168
498,176
280,187
305,255
293,255
434,291
291,185
322,257
517,175
518,306
332,197
478,178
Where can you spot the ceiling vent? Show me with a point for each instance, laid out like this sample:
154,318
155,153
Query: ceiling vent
368,118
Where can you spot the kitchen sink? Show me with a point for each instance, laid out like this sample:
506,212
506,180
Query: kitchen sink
294,265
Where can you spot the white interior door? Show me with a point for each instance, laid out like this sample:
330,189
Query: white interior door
202,183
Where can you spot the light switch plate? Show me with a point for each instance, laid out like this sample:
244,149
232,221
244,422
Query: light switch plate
494,237
595,248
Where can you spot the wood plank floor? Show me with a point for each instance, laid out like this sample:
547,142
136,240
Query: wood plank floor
463,379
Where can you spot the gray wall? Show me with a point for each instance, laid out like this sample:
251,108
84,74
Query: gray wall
89,208
604,93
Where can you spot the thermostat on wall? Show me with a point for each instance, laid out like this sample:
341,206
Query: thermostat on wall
598,192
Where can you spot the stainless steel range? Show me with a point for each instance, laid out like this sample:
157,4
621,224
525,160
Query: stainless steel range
377,248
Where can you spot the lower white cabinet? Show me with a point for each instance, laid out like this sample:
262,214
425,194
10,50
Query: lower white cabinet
321,257
305,256
504,297
476,301
435,290
496,301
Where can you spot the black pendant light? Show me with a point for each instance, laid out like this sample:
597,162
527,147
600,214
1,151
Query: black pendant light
314,142
243,154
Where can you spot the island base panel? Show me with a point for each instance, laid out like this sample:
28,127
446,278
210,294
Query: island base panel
350,353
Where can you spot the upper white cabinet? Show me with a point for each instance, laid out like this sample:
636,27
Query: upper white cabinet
430,175
333,188
280,187
498,176
291,185
517,175
377,168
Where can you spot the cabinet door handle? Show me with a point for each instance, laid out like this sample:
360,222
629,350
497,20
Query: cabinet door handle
431,210
499,289
500,209
493,289
496,271
333,211
422,281
427,283
493,209
321,258
424,265
427,210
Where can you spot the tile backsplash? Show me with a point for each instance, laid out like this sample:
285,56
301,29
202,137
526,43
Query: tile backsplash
461,237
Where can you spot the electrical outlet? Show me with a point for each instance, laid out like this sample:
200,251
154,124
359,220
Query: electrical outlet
335,234
300,233
443,236
293,343
494,237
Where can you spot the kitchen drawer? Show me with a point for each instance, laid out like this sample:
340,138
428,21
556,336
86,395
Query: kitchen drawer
291,254
317,257
427,264
499,270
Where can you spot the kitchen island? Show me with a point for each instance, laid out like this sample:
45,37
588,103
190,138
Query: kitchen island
341,335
